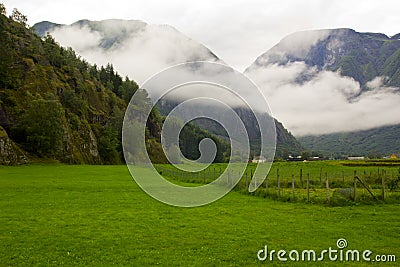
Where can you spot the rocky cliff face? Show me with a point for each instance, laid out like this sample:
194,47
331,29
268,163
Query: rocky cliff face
10,153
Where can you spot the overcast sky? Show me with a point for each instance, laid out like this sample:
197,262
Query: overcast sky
236,30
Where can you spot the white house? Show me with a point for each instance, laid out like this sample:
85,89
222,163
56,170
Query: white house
260,159
355,158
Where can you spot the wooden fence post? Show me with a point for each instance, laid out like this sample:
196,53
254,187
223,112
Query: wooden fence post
293,187
383,184
327,190
279,185
355,185
308,187
326,175
301,177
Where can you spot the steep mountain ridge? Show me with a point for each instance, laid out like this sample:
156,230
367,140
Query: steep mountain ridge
362,56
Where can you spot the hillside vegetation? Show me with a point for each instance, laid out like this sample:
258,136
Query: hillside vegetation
377,142
54,104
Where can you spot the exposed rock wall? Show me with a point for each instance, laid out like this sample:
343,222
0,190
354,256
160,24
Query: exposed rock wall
10,153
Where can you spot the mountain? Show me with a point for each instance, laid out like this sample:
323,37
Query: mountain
361,56
382,141
55,105
141,50
42,28
336,89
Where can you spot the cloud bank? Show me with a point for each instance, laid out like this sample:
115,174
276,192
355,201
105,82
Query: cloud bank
327,102
134,48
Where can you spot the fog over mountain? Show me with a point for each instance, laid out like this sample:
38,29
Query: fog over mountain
134,47
328,81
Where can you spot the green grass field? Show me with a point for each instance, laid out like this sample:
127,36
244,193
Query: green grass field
97,216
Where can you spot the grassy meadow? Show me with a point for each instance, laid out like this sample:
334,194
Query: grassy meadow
97,216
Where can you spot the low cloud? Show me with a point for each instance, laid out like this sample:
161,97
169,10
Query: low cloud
134,48
297,45
327,102
80,39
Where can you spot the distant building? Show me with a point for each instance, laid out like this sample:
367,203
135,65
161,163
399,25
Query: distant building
393,156
316,158
296,158
260,159
355,158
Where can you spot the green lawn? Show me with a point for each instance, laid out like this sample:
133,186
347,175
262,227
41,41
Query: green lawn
96,215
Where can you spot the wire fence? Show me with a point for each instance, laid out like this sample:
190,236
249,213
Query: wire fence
334,187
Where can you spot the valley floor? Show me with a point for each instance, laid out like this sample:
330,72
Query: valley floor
97,216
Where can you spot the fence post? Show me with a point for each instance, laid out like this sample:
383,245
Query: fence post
327,190
279,185
293,187
301,177
308,187
326,175
383,184
355,185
